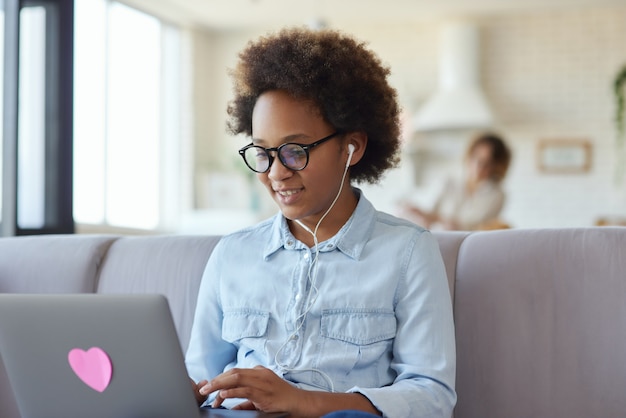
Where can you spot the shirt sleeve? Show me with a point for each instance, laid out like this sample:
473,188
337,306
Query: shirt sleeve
208,354
424,354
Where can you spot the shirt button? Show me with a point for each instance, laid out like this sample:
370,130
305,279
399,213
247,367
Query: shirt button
289,242
306,256
329,245
298,297
294,337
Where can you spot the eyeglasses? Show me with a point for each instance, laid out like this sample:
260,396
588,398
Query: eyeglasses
293,156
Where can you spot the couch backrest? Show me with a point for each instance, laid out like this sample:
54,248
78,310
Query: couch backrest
168,265
51,263
540,320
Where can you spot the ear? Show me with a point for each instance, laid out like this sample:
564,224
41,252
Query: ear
358,140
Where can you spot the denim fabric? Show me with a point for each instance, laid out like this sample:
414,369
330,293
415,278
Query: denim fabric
370,313
349,414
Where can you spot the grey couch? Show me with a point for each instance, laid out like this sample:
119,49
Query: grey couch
540,315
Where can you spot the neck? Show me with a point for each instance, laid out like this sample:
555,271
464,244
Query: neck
330,224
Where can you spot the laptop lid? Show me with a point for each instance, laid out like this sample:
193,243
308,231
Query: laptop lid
94,355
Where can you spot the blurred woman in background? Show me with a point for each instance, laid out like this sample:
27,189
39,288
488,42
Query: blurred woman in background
475,202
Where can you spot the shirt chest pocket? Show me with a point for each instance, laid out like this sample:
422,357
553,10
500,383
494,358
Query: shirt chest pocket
246,328
357,339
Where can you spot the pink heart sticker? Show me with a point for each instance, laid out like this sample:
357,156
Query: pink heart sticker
92,367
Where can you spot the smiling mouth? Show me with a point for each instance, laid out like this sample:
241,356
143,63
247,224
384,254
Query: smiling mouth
287,193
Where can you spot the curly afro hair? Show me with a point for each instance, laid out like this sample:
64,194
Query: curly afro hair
344,79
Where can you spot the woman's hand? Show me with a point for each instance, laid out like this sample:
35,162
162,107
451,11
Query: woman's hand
196,390
266,391
262,388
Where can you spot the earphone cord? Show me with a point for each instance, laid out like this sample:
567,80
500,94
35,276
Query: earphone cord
312,277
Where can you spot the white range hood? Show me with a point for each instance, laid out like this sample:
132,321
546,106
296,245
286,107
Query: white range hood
459,102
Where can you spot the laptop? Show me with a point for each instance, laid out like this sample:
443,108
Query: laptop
97,355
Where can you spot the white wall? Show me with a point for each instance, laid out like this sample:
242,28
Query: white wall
547,75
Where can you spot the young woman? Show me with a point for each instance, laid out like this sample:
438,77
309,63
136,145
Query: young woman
477,201
329,305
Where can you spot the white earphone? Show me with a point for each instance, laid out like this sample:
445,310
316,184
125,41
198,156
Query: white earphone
312,277
350,152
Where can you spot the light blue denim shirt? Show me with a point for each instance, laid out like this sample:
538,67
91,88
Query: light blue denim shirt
373,315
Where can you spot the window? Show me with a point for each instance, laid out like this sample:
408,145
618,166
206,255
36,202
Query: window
32,119
128,98
36,117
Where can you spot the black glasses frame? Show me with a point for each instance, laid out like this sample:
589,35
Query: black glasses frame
277,150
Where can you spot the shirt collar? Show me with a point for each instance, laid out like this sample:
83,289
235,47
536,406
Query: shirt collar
350,239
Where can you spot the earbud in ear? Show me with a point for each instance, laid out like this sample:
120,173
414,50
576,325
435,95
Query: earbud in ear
350,152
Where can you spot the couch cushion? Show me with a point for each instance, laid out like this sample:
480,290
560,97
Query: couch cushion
51,263
168,265
540,322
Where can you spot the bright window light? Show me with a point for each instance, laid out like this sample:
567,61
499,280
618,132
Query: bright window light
89,110
32,119
133,119
120,128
